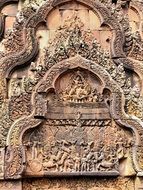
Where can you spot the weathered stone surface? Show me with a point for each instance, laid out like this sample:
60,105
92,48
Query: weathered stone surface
71,88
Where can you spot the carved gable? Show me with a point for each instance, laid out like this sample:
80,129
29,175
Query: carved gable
71,106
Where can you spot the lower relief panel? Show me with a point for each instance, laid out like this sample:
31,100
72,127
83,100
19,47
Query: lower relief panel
79,151
11,185
80,184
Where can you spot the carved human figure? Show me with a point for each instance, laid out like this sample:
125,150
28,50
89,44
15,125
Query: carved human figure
78,88
34,150
61,162
78,91
89,157
84,163
68,164
77,160
95,160
93,96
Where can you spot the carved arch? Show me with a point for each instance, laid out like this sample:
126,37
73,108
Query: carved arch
39,103
22,58
11,62
45,9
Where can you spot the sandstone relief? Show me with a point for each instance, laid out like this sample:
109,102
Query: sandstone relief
71,88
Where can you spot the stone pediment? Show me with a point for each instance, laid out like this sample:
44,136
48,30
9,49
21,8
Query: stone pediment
76,124
71,106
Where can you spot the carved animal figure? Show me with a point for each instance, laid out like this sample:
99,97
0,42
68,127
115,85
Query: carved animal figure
50,164
106,164
53,161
